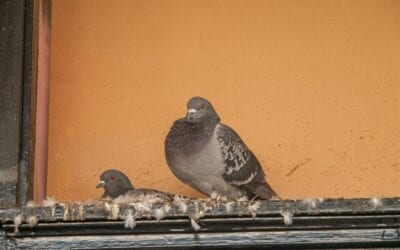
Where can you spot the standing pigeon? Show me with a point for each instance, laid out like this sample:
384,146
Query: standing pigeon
117,186
210,157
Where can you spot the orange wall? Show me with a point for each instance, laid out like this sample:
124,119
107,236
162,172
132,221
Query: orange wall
313,87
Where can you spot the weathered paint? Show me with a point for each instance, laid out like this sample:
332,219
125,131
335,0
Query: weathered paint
299,239
11,80
42,105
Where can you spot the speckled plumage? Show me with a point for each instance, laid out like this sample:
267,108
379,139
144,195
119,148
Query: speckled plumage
119,188
210,157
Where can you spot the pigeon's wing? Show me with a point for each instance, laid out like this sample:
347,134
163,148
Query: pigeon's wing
141,194
236,157
241,165
156,193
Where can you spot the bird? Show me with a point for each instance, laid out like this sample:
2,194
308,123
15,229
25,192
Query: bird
119,188
210,156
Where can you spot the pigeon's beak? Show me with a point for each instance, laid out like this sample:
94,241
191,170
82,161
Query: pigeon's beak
100,184
191,113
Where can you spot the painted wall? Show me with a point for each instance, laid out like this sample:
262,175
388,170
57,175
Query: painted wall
313,88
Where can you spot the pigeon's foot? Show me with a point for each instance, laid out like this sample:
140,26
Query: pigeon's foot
222,198
217,197
275,198
242,199
214,195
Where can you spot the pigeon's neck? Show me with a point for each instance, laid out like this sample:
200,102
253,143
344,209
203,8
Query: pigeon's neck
190,137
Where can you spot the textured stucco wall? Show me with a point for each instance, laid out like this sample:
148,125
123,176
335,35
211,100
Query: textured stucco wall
313,87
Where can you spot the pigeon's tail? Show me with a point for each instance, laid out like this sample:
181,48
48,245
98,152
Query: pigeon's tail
262,190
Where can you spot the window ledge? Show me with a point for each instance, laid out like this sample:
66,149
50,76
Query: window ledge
328,223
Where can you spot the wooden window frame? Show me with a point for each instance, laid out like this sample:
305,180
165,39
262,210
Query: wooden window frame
330,223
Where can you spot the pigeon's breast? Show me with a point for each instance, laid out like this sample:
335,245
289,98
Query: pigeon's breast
204,169
208,160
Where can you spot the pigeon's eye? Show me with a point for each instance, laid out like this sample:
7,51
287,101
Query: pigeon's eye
202,106
112,178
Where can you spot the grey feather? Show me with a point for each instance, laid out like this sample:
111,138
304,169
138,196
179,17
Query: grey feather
236,156
118,187
241,166
141,194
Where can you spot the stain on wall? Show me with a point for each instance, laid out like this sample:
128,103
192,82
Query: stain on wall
313,88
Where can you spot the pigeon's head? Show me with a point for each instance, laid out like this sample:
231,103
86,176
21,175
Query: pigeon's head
115,183
200,109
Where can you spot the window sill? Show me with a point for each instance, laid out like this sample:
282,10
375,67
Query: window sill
330,223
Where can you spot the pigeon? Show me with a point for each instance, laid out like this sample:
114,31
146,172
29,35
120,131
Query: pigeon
119,188
210,156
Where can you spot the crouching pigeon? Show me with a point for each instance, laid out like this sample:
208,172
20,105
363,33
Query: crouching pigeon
119,188
210,157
